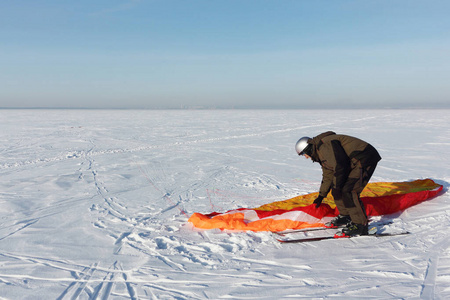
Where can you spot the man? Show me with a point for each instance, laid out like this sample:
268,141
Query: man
347,166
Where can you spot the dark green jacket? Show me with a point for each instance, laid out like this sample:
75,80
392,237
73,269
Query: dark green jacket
338,154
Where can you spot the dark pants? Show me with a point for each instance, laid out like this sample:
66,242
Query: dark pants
349,203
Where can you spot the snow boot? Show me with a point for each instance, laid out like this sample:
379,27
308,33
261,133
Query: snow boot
353,229
340,220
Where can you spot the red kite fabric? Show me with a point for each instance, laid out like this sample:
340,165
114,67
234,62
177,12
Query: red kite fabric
379,198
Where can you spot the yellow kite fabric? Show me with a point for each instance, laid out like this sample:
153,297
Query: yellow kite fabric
379,198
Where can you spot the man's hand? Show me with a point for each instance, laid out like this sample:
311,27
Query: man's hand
318,201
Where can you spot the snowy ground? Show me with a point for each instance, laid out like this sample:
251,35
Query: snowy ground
94,205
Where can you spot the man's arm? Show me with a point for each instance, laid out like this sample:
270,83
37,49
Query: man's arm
327,181
342,168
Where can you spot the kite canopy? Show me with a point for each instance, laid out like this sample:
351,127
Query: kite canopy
379,198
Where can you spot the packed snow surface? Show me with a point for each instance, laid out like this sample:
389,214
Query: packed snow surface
95,203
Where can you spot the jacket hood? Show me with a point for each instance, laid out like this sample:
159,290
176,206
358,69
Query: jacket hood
316,142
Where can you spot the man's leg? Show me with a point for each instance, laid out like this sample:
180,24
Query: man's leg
357,180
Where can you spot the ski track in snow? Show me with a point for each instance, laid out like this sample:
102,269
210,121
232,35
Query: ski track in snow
95,204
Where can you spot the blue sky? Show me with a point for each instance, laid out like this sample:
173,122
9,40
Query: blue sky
224,53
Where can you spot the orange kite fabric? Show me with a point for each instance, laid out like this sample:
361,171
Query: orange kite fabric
379,198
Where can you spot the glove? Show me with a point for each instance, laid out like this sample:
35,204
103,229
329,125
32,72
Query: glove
318,201
337,193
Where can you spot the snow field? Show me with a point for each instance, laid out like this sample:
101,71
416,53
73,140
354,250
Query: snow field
94,205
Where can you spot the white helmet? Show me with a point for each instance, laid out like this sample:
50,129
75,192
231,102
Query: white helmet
301,145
